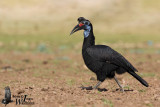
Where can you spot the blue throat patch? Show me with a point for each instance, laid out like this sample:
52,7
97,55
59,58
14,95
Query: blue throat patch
87,31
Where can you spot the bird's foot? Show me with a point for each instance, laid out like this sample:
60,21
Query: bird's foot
86,88
102,89
121,89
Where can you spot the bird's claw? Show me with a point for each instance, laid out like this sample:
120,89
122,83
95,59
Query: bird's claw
121,89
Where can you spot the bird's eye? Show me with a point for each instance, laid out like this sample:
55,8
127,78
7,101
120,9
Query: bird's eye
86,23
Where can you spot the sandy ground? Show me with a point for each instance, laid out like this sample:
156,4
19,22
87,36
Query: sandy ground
53,80
50,81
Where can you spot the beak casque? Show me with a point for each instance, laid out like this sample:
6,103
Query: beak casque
76,28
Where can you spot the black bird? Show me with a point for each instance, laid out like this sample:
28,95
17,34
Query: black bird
7,98
101,59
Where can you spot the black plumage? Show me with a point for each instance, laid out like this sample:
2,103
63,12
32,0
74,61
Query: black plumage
101,59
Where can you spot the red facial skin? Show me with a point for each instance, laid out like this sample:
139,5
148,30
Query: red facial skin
81,24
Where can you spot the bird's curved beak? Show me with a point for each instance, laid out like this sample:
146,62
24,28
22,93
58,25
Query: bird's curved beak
77,28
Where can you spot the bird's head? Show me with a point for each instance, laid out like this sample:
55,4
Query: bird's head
83,24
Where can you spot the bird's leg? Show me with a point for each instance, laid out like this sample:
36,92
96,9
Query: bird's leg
121,88
90,87
97,85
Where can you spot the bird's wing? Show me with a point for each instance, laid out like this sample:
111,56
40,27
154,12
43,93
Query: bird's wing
107,54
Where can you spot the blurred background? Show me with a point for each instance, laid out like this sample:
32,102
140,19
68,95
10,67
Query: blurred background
39,58
45,25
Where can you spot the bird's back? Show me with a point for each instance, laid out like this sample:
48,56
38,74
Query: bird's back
102,53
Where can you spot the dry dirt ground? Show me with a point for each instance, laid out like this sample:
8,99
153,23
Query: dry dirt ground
51,81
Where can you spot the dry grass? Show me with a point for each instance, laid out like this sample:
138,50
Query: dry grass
117,16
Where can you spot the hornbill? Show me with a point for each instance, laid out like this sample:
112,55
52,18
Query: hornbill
101,59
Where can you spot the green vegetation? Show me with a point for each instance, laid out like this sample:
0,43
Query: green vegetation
149,105
127,87
142,90
107,102
70,82
47,29
147,74
50,43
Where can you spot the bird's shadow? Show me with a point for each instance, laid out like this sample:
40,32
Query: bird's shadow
91,88
125,90
102,89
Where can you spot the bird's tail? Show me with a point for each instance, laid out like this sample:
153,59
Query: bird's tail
142,81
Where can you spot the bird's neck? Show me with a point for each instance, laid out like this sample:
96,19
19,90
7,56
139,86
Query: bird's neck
89,39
